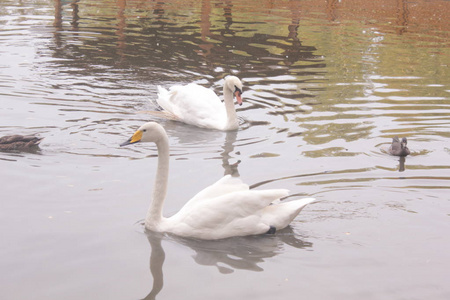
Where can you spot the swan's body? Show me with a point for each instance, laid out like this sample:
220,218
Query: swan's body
225,209
19,142
399,148
196,105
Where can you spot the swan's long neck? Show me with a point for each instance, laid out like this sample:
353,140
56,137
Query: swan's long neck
154,214
232,121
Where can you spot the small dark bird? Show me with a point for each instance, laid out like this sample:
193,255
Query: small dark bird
399,148
19,143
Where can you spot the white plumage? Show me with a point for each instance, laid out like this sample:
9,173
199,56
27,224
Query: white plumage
224,209
196,105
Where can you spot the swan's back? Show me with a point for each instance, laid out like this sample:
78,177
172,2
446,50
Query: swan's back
194,105
232,214
225,185
228,208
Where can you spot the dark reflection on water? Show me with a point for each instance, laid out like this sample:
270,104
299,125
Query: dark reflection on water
283,75
227,255
155,40
401,167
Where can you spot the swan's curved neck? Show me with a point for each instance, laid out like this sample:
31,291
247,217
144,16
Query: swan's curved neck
232,121
154,214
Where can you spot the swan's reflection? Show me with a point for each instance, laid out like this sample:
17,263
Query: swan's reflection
241,253
157,256
198,137
189,134
227,255
228,147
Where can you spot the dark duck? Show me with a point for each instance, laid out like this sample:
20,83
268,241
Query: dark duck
19,143
398,148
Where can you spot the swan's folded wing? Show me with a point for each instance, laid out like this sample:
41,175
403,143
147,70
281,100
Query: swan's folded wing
163,99
281,215
231,207
193,104
223,186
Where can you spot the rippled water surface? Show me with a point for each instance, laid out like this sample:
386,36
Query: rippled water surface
327,84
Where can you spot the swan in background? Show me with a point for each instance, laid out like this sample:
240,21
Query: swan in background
196,105
399,148
19,142
225,209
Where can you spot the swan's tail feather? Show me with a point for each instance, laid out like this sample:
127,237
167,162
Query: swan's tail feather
162,92
307,201
164,108
163,99
280,215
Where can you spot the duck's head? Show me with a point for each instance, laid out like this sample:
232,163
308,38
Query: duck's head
235,85
149,132
404,142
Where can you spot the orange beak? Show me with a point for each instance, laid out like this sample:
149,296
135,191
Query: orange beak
237,94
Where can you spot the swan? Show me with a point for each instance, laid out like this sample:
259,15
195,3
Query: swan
19,142
399,148
196,105
225,209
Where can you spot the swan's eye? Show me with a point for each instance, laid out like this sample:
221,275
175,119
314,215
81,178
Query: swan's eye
144,130
236,89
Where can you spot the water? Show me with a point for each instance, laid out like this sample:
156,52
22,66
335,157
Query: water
326,87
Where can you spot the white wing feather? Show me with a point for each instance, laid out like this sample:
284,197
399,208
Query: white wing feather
193,104
234,213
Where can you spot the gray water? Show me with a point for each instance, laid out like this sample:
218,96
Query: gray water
326,87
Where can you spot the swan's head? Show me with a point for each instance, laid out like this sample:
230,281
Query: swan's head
235,85
149,132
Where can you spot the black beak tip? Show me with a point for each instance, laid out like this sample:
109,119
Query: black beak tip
128,142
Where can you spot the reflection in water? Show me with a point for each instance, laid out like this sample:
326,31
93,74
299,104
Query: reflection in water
285,75
228,147
121,25
199,138
161,42
402,16
190,135
227,255
402,164
58,22
331,9
157,257
242,253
